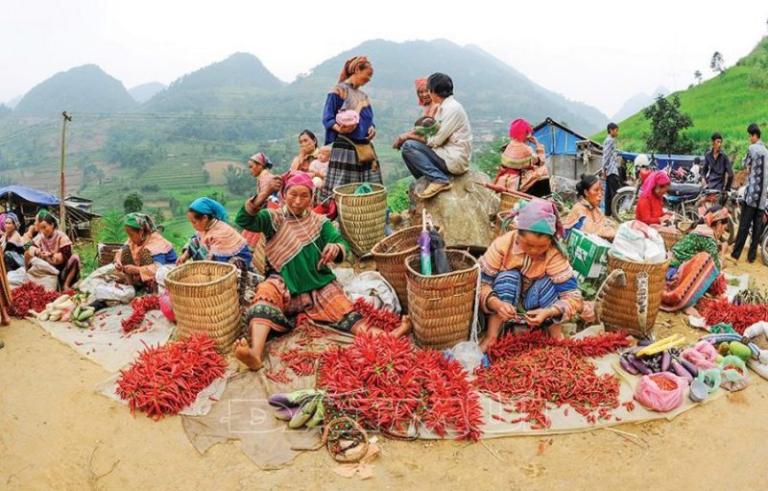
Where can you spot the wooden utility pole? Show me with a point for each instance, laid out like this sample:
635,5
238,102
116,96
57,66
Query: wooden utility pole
66,118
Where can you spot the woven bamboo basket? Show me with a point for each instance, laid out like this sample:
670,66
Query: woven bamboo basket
361,216
442,306
390,254
510,198
501,227
620,303
670,237
259,261
106,251
205,300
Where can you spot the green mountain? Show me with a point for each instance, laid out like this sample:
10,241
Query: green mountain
726,103
144,92
85,88
226,86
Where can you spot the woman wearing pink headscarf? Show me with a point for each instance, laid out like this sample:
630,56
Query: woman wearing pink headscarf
300,246
650,205
523,169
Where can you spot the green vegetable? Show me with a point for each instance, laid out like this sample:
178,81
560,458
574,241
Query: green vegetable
740,350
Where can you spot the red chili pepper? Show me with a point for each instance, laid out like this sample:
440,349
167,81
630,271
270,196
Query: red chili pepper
140,306
30,296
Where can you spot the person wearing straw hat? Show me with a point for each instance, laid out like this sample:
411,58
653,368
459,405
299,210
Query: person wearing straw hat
527,269
144,251
300,246
214,239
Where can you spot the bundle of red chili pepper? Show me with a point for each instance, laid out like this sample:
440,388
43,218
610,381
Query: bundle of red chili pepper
716,311
302,362
165,379
140,306
386,383
30,296
383,319
533,370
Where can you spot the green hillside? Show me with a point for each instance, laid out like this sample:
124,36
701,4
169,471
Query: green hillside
727,103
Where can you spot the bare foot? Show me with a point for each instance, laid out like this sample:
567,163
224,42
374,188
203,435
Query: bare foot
5,320
404,327
245,354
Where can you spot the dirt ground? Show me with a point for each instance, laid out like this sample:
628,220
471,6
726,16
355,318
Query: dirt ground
56,433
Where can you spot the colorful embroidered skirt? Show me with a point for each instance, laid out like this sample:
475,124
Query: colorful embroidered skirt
689,283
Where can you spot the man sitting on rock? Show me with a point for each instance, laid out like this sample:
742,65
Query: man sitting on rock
448,150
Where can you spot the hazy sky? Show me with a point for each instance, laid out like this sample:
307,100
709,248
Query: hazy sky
600,53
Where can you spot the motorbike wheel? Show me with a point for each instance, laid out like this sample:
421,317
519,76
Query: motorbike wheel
623,205
764,249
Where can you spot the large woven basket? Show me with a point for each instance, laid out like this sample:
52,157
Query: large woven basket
442,306
390,254
105,251
509,199
259,261
205,300
670,237
619,311
361,216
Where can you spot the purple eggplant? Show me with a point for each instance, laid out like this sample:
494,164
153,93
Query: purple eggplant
627,366
279,400
644,342
666,358
286,413
638,364
680,371
690,367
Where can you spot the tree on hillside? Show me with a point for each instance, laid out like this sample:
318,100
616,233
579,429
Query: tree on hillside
667,125
697,76
133,203
238,181
717,64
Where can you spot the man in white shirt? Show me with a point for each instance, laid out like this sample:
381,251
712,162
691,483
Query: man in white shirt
448,151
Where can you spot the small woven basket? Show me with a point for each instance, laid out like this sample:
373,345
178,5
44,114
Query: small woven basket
441,306
205,300
621,312
361,216
105,252
509,199
390,254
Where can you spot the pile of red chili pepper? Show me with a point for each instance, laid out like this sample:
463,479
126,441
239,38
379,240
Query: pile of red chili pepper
385,383
165,379
716,311
302,362
140,306
30,296
383,319
531,371
718,287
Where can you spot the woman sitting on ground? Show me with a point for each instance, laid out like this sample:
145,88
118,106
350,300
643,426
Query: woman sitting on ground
527,269
307,151
54,247
523,169
695,265
300,245
650,204
586,214
214,239
144,251
12,243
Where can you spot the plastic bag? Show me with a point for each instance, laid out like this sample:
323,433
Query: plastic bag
17,277
636,241
43,274
468,354
102,284
735,375
702,355
654,398
370,286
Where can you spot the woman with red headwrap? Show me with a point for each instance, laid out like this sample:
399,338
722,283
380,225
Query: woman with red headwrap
650,205
300,246
523,169
425,101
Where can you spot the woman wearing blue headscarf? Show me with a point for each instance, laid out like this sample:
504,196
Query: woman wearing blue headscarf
12,244
214,239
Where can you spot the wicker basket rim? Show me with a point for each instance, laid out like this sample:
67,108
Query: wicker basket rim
377,189
178,269
611,256
402,231
449,252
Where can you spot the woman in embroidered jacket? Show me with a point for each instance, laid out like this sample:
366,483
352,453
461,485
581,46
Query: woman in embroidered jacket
300,245
526,268
523,169
54,247
586,214
12,243
214,239
144,251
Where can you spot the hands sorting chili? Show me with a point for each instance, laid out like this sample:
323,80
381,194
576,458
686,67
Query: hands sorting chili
140,306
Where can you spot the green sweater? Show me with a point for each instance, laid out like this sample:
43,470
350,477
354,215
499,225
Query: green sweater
692,244
300,273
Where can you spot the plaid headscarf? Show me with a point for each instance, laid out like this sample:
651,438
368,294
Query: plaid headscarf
540,216
14,218
351,66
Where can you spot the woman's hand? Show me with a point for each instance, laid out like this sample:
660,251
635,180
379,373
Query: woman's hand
505,310
398,142
182,259
537,317
131,269
344,129
329,254
371,133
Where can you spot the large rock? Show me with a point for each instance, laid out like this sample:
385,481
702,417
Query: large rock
464,212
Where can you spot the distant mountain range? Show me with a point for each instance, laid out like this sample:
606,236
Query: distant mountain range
637,103
491,90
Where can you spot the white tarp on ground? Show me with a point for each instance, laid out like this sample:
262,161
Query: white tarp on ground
105,343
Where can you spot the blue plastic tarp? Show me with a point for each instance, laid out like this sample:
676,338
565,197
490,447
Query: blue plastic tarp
40,198
665,160
556,141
